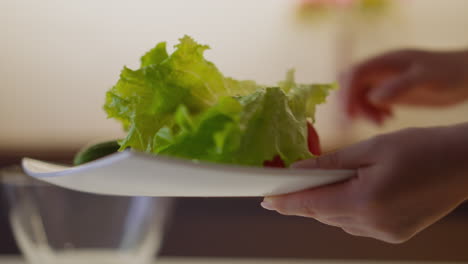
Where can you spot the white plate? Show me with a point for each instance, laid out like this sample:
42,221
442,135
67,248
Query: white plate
131,173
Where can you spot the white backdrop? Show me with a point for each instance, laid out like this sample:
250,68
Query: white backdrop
57,58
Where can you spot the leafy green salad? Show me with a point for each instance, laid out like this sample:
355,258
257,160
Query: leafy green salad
181,105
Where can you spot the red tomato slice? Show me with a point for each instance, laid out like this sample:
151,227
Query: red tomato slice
313,143
313,140
277,162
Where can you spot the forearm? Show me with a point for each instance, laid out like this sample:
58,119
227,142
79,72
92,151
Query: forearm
464,57
457,138
454,66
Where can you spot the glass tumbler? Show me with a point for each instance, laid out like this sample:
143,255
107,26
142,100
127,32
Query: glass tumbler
53,225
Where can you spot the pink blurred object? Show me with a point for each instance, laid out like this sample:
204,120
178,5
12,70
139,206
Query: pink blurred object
343,3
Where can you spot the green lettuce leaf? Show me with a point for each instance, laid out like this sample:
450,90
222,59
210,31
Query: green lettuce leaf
181,105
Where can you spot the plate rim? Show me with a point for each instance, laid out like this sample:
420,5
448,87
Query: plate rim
119,156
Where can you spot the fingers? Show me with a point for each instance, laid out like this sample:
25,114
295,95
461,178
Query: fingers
327,201
364,78
373,113
351,157
390,90
330,204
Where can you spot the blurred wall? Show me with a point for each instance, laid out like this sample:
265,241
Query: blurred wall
57,58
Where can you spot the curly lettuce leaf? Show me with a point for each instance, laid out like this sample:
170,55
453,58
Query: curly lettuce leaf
209,136
181,105
274,123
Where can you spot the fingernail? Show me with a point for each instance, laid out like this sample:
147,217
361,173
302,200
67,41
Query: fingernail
267,204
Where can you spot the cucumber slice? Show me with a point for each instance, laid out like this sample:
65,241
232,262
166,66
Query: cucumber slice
95,152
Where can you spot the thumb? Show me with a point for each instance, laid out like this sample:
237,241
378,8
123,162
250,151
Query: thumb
351,157
389,90
330,200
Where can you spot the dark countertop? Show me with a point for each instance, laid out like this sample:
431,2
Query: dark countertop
239,227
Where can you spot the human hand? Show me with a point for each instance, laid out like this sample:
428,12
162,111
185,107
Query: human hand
405,182
410,77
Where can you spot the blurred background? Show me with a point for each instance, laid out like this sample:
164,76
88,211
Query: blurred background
58,58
